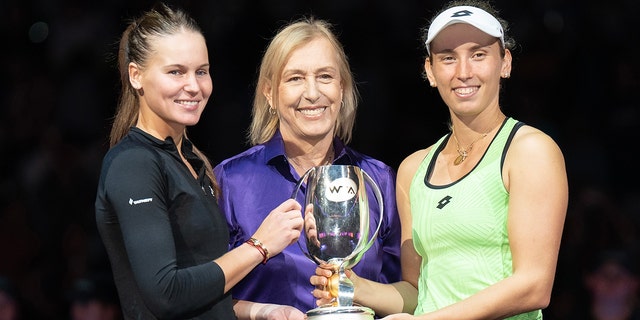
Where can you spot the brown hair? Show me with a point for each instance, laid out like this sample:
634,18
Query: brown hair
136,45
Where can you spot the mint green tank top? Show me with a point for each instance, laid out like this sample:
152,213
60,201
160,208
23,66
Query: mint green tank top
460,229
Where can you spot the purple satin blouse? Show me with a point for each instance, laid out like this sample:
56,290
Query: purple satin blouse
257,180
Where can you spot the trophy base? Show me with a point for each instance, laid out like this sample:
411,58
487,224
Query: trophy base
340,313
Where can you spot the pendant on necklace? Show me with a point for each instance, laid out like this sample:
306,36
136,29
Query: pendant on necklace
460,158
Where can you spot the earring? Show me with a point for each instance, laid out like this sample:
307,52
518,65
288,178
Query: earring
432,84
272,111
506,75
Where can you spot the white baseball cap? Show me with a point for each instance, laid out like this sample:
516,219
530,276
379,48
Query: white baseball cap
465,14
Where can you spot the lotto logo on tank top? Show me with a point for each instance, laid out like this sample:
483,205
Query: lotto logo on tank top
341,189
443,202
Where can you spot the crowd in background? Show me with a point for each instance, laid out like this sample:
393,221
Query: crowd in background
575,75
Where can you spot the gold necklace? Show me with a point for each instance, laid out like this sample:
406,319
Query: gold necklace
464,152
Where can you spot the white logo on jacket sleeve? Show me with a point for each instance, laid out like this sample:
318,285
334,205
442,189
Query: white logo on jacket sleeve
132,202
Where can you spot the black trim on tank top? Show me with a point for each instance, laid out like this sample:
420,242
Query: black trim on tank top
515,128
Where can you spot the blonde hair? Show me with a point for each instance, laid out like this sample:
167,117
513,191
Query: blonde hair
298,33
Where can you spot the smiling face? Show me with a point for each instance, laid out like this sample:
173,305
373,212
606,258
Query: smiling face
309,92
466,65
175,83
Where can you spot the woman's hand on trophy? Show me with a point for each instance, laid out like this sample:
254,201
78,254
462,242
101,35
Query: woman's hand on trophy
326,283
321,281
281,228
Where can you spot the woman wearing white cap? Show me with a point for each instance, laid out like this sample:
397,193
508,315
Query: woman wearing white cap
483,208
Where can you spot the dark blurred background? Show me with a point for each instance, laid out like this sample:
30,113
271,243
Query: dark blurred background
576,75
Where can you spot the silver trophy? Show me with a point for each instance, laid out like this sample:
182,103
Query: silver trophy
337,231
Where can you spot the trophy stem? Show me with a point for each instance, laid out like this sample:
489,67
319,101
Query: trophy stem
339,285
345,289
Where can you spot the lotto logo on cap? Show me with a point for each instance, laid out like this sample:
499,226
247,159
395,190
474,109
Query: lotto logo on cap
469,15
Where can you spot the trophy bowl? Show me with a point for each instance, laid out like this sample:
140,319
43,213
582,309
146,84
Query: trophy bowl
336,229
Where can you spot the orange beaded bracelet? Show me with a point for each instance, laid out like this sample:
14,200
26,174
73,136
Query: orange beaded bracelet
258,245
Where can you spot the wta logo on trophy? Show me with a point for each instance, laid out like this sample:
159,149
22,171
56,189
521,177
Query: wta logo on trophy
341,189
